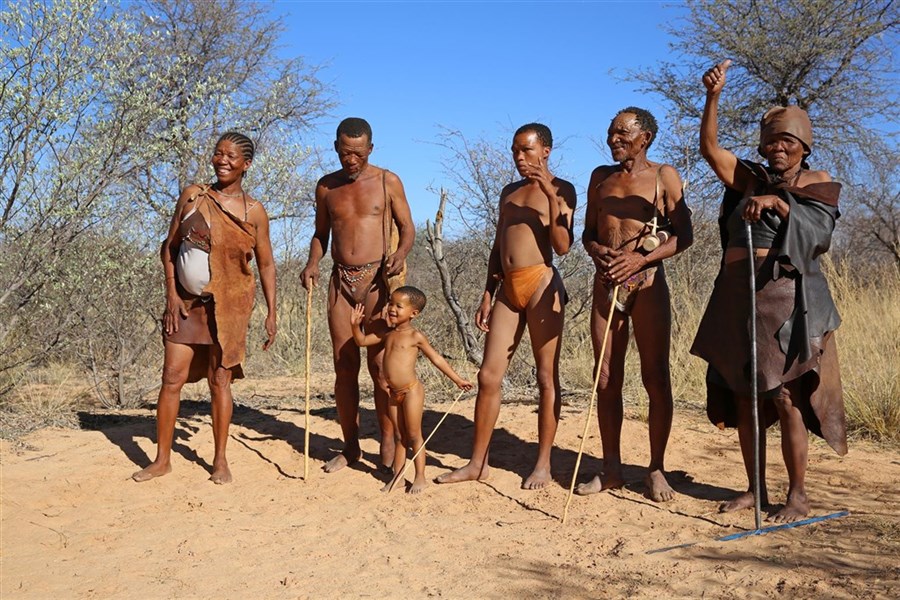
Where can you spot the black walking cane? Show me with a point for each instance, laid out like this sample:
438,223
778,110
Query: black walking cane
753,376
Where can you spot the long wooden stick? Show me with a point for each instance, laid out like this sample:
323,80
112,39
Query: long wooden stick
587,421
308,354
754,394
422,447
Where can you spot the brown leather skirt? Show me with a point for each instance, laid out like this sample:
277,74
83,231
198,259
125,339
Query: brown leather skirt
199,327
723,338
198,330
723,341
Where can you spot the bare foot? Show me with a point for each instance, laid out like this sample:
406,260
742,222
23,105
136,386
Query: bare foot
418,485
660,490
538,479
469,472
741,501
339,462
796,508
598,484
151,472
221,474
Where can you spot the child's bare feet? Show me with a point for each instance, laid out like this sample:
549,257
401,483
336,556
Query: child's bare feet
418,485
796,507
221,473
660,490
538,479
470,472
742,501
152,471
600,483
344,459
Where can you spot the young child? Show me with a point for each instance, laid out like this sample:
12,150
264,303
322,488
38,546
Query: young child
402,343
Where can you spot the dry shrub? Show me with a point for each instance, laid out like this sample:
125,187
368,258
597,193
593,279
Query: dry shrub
46,397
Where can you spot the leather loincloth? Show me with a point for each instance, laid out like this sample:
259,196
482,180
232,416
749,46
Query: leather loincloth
520,285
356,282
627,292
398,395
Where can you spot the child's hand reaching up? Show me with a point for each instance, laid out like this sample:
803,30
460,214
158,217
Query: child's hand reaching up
358,315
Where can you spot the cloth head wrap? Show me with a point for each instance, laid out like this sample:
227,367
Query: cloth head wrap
791,120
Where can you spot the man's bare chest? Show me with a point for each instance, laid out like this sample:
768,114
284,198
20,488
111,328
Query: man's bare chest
345,205
638,200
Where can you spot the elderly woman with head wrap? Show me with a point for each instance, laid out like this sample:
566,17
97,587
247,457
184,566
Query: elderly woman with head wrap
215,232
792,212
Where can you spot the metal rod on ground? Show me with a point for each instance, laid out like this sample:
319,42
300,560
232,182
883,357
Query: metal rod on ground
308,353
763,531
754,392
597,368
422,447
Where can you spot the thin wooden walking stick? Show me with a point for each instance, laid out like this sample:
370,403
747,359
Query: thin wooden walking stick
308,354
422,447
598,368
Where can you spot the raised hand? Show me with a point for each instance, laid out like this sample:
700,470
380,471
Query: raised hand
539,172
358,315
714,79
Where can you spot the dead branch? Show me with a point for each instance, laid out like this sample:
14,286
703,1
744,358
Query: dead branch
435,237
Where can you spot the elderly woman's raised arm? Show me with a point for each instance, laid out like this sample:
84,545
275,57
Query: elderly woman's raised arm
723,161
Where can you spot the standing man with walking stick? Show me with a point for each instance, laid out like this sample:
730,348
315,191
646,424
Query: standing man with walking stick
352,203
792,212
636,217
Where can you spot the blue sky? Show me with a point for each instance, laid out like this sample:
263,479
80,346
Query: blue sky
483,68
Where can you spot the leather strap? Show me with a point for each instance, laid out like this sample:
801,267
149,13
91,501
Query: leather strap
386,229
664,210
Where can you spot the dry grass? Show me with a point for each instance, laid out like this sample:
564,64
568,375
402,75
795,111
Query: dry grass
868,344
869,349
45,397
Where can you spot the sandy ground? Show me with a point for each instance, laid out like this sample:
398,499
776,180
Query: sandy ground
75,526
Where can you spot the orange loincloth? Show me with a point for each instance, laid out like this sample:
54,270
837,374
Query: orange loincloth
398,395
519,285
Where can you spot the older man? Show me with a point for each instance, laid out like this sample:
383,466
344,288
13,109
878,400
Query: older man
636,217
351,203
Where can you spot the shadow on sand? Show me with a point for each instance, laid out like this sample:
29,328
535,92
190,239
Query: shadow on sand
508,451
